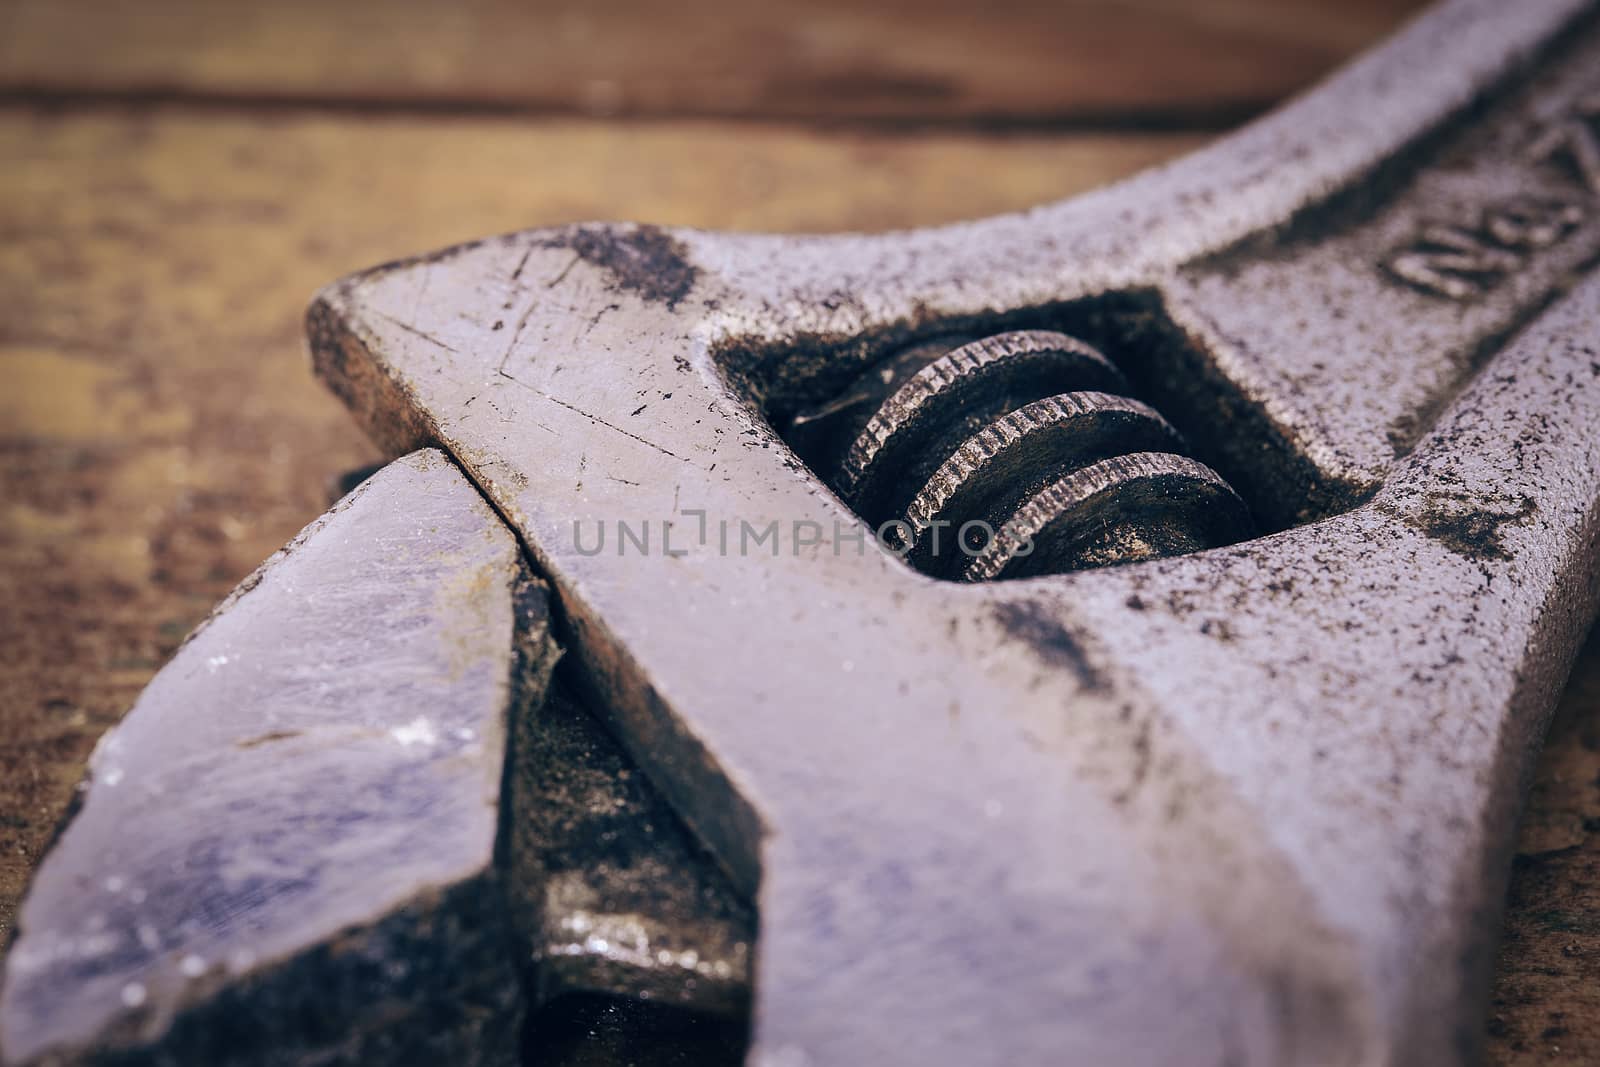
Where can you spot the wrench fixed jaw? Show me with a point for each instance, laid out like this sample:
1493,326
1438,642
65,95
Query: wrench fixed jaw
1260,795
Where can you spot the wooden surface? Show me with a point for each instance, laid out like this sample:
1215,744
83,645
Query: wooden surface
177,177
1032,61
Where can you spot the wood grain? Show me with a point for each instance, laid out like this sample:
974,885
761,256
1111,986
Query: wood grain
1020,61
1546,1007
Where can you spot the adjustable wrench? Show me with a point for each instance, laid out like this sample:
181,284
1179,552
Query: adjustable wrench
1283,470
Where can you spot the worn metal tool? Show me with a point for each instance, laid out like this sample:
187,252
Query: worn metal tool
1268,485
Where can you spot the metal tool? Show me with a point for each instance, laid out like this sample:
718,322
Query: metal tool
1326,393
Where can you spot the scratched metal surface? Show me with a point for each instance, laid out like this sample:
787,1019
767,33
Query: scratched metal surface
293,832
1035,820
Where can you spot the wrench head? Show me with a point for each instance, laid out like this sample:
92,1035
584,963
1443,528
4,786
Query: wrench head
1251,804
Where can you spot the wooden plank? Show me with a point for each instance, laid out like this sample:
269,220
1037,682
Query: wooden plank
1022,61
160,432
1546,1005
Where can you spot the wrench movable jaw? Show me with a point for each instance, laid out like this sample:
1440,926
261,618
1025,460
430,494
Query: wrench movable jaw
295,829
1263,792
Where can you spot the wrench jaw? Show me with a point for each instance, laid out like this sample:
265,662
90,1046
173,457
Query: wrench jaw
294,831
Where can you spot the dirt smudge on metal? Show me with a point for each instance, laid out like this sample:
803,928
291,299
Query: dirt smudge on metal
643,260
1037,627
1473,532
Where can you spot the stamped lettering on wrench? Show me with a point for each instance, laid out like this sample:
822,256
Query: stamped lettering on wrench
1463,262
